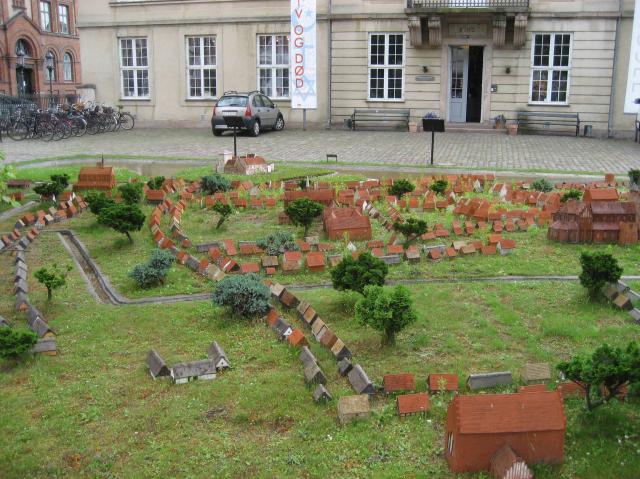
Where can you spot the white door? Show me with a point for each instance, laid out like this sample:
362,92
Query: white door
458,77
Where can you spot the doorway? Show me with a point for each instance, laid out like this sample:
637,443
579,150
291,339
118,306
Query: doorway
465,84
27,79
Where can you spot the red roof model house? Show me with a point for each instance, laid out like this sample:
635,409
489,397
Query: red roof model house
532,424
247,165
349,221
605,194
96,178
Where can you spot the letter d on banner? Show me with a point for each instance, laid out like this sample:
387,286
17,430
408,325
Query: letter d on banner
302,51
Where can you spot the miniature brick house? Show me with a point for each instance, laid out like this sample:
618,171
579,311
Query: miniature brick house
533,424
600,194
247,165
96,178
350,221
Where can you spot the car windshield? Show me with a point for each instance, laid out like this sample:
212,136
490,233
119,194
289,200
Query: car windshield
233,101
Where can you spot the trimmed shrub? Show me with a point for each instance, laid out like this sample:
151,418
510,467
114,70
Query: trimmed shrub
400,187
131,193
542,185
439,186
277,243
303,211
15,343
571,195
598,269
152,273
156,183
246,296
356,274
97,200
122,218
211,184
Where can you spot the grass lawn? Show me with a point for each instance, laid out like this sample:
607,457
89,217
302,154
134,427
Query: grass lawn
94,411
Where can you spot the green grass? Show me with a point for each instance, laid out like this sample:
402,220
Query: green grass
93,411
44,173
281,173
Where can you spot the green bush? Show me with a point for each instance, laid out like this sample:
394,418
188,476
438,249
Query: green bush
542,185
400,187
161,259
571,195
152,273
634,177
53,278
62,179
439,186
244,295
412,228
277,243
211,184
156,183
598,269
56,186
97,200
131,193
122,218
224,211
303,211
356,274
14,344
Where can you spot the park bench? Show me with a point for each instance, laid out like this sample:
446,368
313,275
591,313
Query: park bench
537,120
380,117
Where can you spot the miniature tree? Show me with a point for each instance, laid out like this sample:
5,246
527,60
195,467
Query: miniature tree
97,200
122,218
53,278
49,190
439,186
542,185
572,194
303,211
634,180
277,243
387,311
410,229
153,272
224,211
598,269
161,259
605,373
303,183
400,187
356,274
156,183
14,343
246,296
6,173
211,184
62,179
131,193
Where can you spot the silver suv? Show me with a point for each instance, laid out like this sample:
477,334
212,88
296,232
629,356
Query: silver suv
257,111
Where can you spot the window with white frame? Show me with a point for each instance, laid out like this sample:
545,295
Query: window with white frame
550,68
134,67
273,65
67,67
386,66
45,16
201,67
63,17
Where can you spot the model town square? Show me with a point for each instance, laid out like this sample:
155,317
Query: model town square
320,238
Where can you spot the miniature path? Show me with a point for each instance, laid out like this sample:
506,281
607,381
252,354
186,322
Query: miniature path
17,211
101,289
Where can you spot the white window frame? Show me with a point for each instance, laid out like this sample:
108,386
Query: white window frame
202,67
48,19
135,68
66,65
386,67
64,8
273,67
550,69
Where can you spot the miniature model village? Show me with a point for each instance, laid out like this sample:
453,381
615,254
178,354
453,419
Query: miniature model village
502,422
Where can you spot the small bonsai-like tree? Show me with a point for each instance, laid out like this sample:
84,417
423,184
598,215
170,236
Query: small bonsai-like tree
156,182
542,185
303,211
97,200
6,173
605,373
52,278
277,243
122,218
598,269
154,271
634,179
303,183
400,187
572,194
211,184
62,179
439,186
410,229
387,311
15,343
246,296
49,190
356,274
131,193
224,211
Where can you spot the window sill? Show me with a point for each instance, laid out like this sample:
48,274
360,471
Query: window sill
131,99
541,103
201,100
382,100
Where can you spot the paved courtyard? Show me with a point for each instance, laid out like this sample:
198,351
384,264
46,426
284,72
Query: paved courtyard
474,150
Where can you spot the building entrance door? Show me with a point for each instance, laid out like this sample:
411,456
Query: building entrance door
465,84
27,81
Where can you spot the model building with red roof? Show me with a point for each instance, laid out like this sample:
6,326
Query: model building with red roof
350,221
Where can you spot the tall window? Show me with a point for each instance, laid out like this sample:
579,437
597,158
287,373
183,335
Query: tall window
273,65
551,65
386,66
134,67
51,76
45,16
67,67
201,69
63,17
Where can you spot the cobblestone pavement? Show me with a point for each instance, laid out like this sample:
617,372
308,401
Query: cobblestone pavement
473,150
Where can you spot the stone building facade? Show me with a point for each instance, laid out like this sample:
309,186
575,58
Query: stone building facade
39,27
466,61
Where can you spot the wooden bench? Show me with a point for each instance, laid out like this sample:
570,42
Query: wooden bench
383,117
529,120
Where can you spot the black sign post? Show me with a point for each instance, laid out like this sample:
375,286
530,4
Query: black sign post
234,122
433,125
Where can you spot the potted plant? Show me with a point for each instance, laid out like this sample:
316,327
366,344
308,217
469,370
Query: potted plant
634,180
512,129
499,122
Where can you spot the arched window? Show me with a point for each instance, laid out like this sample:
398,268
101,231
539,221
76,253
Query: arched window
53,72
67,67
22,45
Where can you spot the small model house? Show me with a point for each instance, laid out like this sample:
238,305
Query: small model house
505,464
218,356
96,178
248,165
183,372
533,424
157,367
339,222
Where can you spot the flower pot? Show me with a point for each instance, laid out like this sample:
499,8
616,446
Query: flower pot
512,130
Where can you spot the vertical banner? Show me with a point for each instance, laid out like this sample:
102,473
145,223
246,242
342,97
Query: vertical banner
303,54
633,81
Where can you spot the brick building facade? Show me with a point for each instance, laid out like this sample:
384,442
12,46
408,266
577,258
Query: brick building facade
38,27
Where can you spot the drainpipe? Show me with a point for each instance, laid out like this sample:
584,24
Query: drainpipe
330,61
613,73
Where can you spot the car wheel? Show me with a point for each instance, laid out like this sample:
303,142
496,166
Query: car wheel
255,129
217,132
279,124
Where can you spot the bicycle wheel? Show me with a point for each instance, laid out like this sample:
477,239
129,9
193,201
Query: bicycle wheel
58,131
112,123
67,130
45,131
78,127
93,127
18,131
126,121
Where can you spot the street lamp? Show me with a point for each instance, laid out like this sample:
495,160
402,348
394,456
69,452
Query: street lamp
49,64
20,53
